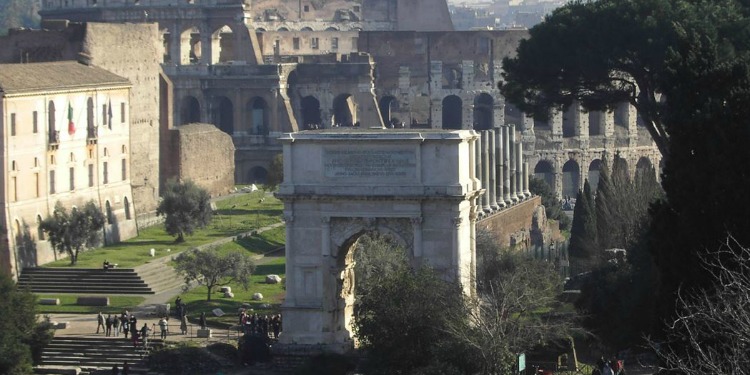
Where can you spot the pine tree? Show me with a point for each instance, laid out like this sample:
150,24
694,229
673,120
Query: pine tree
583,243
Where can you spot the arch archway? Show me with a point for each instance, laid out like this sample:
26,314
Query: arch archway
190,110
256,111
344,110
311,112
222,45
569,121
190,46
222,114
596,123
512,115
387,104
643,166
483,116
570,178
545,172
594,170
452,112
258,175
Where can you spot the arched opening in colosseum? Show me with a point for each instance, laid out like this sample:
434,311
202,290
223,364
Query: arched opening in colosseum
222,114
452,112
256,112
622,118
570,178
190,46
190,110
306,28
258,175
387,105
222,45
596,123
283,29
483,115
311,112
594,170
569,120
644,166
376,248
620,164
166,37
513,115
541,122
545,172
344,110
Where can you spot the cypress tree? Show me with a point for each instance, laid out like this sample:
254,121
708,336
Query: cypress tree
583,243
605,225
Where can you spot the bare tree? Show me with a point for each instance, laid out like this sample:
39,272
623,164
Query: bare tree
711,331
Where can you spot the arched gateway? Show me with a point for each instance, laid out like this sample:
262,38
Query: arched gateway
418,188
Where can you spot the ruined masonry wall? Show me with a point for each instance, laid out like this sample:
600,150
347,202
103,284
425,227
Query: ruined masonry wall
134,51
213,171
507,222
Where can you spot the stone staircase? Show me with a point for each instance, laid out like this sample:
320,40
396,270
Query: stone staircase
83,281
93,356
159,275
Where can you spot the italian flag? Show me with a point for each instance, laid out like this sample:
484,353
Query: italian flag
71,125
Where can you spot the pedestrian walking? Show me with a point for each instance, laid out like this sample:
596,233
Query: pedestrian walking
116,325
108,322
115,370
100,322
202,320
125,368
144,335
125,327
183,324
163,327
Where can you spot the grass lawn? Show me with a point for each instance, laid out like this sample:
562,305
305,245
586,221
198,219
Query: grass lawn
273,295
257,244
68,305
236,214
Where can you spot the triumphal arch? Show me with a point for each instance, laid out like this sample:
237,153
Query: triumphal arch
418,187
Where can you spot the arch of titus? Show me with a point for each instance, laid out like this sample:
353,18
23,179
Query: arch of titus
419,187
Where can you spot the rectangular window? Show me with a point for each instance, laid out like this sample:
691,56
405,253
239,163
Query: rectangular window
36,185
12,124
356,8
307,8
91,175
52,182
124,169
104,114
295,43
334,43
72,178
314,43
35,118
105,176
14,194
122,113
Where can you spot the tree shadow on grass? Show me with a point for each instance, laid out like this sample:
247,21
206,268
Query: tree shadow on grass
247,211
270,269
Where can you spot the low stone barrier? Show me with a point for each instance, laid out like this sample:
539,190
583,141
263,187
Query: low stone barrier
92,301
49,301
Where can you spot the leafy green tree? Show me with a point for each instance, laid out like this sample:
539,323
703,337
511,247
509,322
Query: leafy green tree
74,231
22,337
275,173
562,61
212,269
551,203
186,206
583,233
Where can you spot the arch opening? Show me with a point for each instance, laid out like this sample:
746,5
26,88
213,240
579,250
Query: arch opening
223,114
387,104
545,172
222,45
570,178
569,121
483,115
594,171
257,116
190,110
190,46
311,117
344,110
258,175
452,112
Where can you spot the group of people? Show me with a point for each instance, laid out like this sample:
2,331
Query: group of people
260,324
114,325
613,366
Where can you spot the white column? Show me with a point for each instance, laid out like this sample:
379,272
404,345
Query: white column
513,164
486,171
499,166
291,292
506,165
526,191
493,171
416,223
519,171
325,235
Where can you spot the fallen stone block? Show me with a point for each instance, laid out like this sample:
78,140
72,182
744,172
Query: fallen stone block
49,301
60,325
204,333
92,301
273,279
257,297
228,295
226,289
218,312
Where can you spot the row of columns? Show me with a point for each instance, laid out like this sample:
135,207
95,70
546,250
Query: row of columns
501,167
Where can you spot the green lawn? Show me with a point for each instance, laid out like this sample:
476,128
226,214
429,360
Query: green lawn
257,244
273,295
236,214
68,305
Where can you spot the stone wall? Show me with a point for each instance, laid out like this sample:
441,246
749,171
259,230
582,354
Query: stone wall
205,155
513,225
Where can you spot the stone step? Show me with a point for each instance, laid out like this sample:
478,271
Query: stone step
106,290
92,355
81,280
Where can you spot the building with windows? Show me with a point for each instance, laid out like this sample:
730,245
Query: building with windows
65,138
